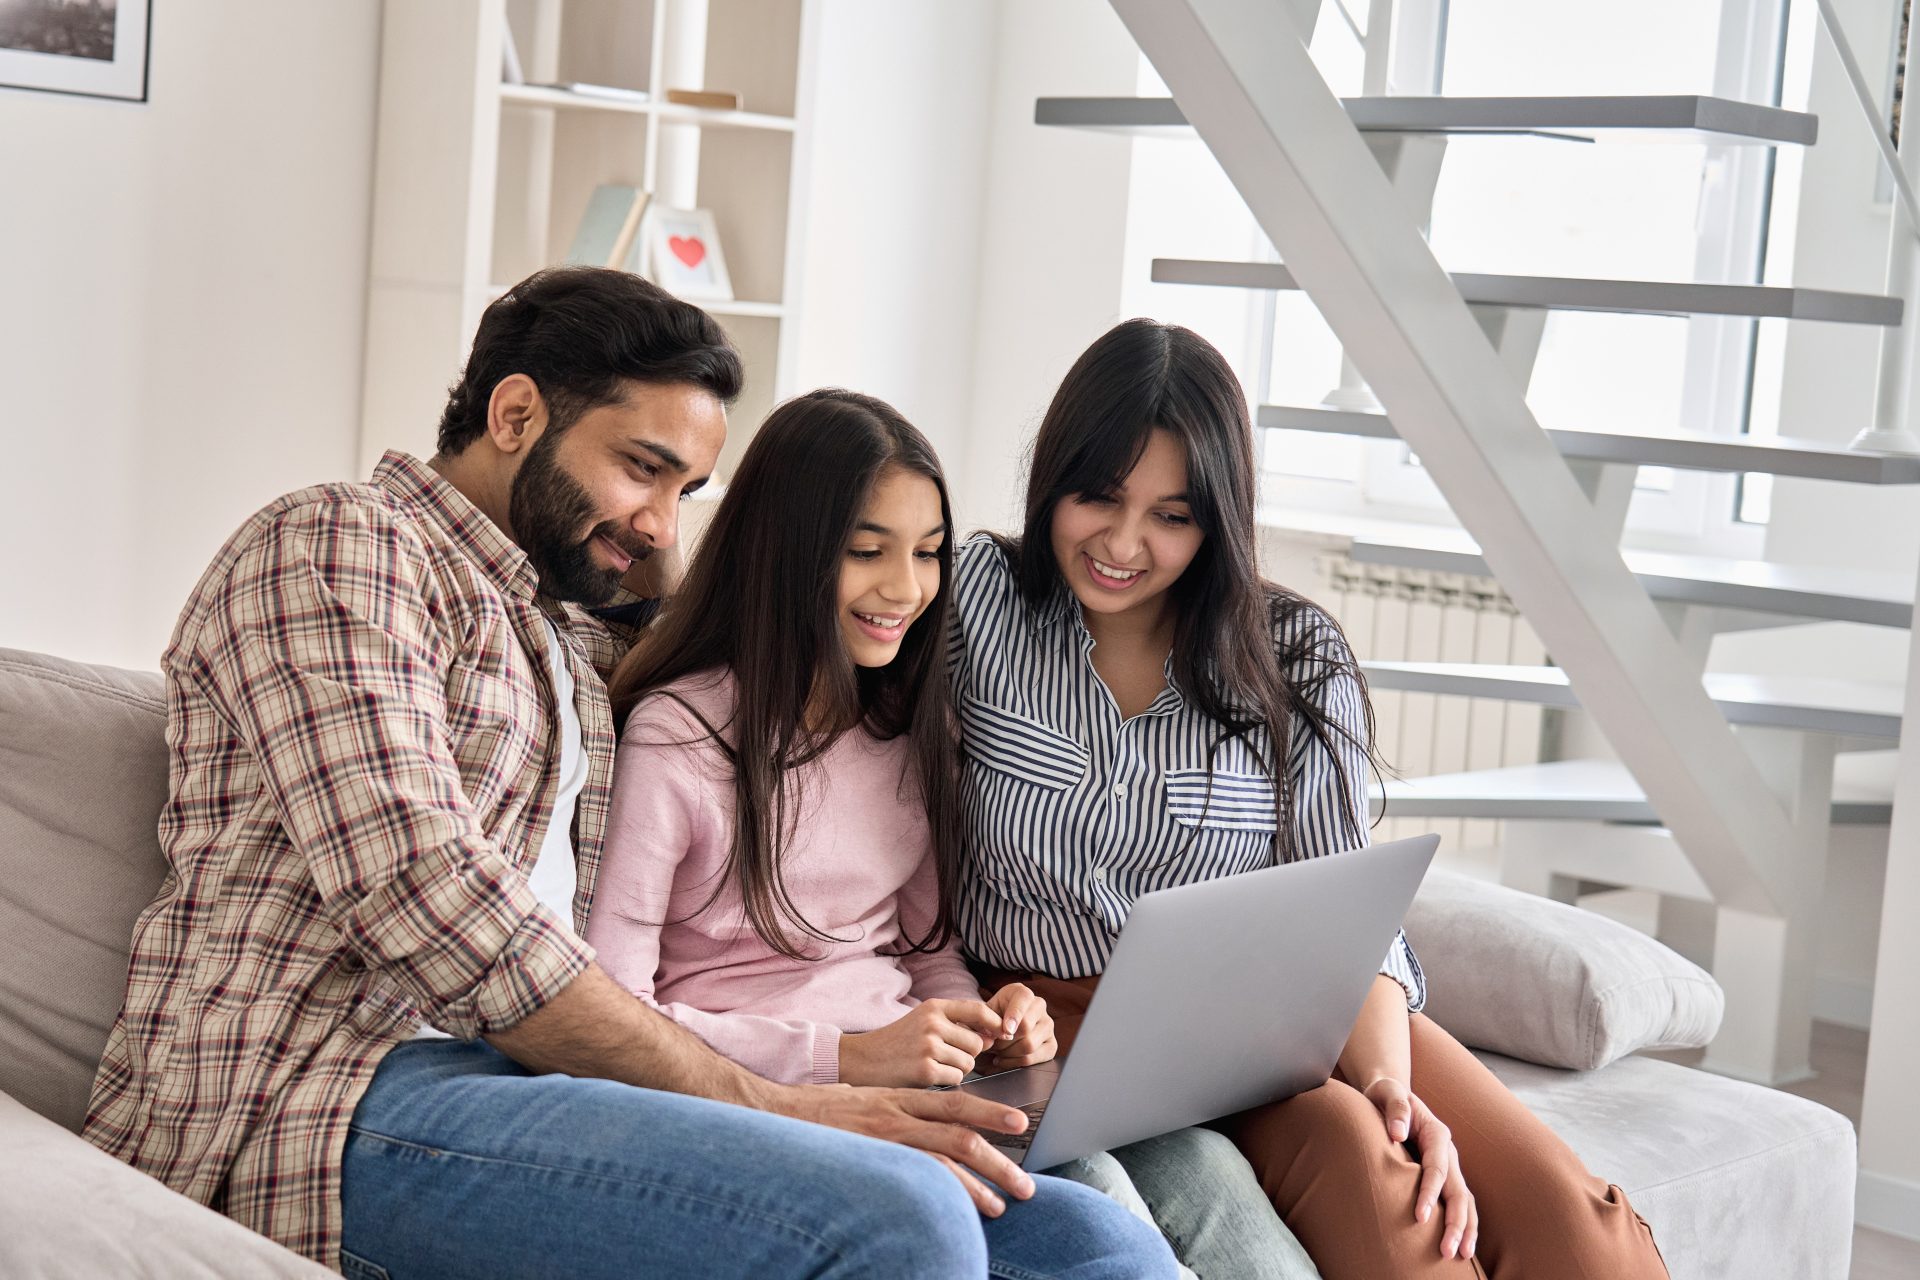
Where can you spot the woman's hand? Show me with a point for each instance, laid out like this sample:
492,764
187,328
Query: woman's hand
1409,1120
1026,1028
935,1044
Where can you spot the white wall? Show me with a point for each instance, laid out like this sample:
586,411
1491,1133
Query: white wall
185,283
1051,270
958,258
893,209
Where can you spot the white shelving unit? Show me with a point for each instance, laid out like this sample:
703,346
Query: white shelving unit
479,183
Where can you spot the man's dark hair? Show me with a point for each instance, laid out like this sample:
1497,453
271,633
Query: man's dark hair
579,332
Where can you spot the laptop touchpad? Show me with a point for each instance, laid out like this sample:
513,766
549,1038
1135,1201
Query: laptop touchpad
1015,1088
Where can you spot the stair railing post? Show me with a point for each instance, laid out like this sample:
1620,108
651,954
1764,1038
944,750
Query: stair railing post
1889,431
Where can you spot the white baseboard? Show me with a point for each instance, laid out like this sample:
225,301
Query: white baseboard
1888,1204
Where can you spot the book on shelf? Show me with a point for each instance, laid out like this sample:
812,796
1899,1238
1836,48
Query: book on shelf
610,92
609,227
711,98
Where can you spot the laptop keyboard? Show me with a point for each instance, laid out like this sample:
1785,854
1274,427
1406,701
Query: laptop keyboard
1024,1139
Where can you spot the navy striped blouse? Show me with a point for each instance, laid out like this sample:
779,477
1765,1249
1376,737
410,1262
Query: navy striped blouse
1075,812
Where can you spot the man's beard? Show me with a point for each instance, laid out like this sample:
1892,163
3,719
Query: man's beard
547,508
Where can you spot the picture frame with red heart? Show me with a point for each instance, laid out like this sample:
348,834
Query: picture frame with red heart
683,254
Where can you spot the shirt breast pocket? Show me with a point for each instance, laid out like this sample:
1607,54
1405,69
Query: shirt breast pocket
1213,800
1021,748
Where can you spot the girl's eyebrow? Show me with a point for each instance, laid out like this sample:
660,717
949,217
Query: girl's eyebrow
867,526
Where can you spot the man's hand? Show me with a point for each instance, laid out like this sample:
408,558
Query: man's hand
934,1044
1408,1120
940,1123
1026,1028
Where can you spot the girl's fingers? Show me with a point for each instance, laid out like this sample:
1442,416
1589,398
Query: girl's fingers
1028,1050
960,1037
973,1017
953,1059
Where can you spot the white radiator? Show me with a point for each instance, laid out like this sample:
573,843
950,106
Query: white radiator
1413,615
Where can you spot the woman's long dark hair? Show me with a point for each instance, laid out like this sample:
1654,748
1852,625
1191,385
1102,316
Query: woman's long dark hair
1253,655
762,599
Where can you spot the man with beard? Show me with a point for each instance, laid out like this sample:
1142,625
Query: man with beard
359,1017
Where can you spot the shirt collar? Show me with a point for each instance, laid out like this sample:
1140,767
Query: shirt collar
486,543
1060,603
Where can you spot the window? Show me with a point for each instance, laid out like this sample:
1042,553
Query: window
1528,206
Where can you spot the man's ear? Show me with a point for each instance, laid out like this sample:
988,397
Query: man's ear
516,414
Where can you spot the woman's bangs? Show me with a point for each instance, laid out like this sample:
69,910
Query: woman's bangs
1107,457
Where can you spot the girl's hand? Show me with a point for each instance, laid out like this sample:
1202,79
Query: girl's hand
1408,1120
935,1044
1026,1028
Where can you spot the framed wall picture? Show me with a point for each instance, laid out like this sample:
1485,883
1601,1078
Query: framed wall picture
93,47
683,254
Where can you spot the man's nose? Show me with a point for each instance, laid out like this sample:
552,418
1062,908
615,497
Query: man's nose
657,523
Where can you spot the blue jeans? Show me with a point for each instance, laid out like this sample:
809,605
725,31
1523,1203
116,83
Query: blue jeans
460,1163
1200,1191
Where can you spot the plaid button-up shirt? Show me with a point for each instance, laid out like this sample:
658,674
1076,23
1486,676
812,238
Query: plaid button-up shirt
362,767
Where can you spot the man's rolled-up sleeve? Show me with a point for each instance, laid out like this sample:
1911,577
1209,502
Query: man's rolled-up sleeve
333,670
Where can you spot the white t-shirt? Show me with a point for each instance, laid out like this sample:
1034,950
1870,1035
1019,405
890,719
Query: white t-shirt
554,877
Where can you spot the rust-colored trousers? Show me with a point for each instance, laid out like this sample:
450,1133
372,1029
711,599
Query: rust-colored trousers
1346,1190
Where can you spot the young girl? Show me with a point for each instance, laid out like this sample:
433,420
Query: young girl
784,845
782,852
1140,709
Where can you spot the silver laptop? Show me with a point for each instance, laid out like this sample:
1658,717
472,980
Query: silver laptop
1219,996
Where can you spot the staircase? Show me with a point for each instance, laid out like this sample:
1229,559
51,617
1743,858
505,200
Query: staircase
1726,787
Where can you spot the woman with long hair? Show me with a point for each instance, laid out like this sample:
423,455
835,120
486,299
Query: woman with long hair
1141,709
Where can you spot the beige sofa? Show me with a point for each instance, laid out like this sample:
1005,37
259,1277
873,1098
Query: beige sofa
1736,1180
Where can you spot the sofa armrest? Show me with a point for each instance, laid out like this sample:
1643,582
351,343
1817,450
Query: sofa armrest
1548,983
69,1209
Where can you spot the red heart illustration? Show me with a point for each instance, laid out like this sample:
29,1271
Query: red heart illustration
688,249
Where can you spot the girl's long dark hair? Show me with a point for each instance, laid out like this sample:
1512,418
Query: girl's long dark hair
762,599
1251,654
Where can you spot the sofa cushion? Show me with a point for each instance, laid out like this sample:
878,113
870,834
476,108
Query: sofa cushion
1545,982
1734,1179
68,1209
83,775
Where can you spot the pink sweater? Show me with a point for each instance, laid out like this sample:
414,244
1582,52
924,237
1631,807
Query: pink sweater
859,867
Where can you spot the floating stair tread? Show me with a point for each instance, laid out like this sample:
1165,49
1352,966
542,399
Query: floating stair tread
1569,293
1816,704
1842,595
1676,117
1604,791
1683,450
1835,595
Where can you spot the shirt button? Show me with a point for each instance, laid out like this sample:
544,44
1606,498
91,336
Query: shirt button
1100,873
1119,789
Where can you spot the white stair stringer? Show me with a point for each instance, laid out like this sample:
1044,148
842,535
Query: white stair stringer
1243,78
